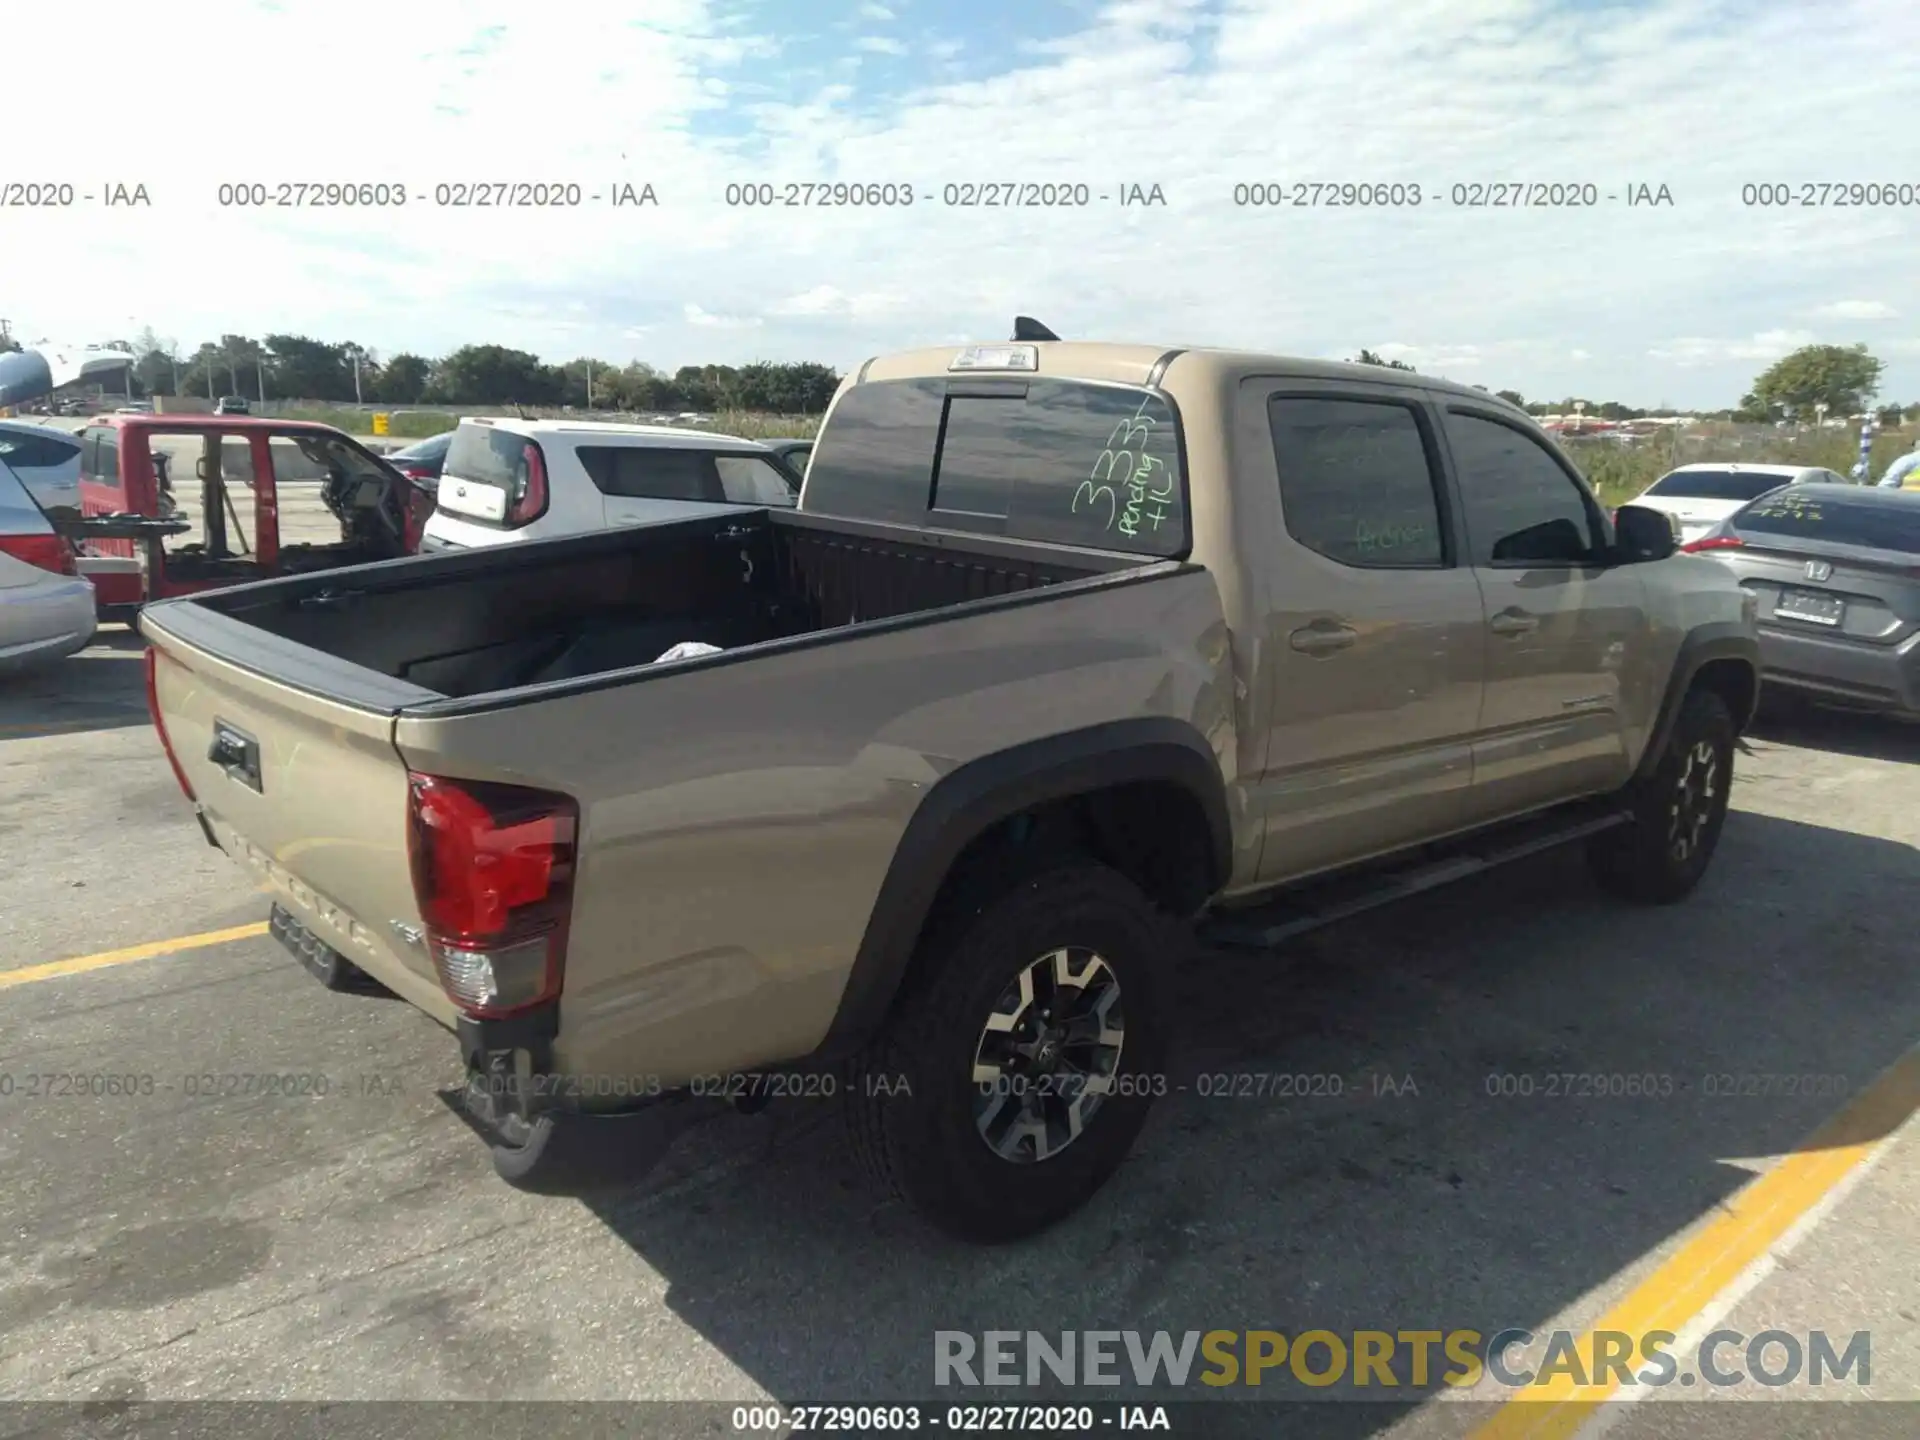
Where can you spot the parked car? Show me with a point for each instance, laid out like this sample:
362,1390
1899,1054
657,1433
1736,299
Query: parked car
794,454
232,405
47,461
1071,646
423,460
46,607
510,479
131,499
1701,496
1835,572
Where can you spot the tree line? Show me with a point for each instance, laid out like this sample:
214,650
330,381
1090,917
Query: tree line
295,367
1845,379
1837,380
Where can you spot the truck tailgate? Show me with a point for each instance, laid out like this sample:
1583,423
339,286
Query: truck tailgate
310,794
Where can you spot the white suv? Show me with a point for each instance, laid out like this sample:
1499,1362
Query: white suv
509,479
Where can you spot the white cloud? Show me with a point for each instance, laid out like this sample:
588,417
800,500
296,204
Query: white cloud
875,12
829,300
880,45
1688,301
1692,351
1857,310
708,320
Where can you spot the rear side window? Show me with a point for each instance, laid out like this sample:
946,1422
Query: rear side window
20,513
751,480
1875,520
35,452
651,473
1716,485
1357,481
1060,461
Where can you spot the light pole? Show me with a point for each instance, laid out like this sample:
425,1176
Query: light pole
260,378
356,379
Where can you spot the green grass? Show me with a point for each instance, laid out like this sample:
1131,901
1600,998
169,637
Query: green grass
1620,472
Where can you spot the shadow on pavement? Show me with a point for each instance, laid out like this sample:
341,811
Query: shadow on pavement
101,688
1841,732
1436,1201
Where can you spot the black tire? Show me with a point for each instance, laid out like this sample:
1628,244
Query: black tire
911,1101
1662,854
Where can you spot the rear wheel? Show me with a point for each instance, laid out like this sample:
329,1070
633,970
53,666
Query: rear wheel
1018,1070
1678,810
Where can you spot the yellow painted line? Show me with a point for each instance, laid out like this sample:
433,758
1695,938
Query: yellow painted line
81,964
1752,1222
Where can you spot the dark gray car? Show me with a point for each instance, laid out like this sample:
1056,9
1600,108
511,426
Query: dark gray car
1836,572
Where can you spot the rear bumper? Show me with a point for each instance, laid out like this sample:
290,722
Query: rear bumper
1830,667
43,623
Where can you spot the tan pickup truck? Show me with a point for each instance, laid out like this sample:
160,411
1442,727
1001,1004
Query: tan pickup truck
1067,648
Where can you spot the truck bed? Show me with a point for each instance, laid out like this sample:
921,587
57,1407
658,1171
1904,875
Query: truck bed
863,662
467,625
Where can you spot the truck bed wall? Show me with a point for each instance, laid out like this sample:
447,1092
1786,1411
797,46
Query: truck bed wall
471,624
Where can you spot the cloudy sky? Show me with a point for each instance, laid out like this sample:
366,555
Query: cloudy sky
1679,304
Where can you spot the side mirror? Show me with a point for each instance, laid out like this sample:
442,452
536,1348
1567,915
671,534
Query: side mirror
1642,533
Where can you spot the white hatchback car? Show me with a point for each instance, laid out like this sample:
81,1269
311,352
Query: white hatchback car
1699,497
509,479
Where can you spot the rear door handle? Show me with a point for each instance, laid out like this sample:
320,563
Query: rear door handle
1513,622
1323,637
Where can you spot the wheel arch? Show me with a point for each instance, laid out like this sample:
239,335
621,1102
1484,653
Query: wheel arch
1724,657
1088,787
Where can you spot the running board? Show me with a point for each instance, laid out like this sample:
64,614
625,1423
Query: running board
1307,906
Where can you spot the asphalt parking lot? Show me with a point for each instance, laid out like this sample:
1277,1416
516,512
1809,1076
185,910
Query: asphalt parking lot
355,1244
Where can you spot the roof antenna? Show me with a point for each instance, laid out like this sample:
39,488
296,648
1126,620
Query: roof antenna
1025,327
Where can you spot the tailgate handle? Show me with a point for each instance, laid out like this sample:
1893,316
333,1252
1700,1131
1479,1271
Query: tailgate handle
237,753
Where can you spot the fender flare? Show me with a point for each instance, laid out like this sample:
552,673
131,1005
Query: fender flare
968,801
1702,645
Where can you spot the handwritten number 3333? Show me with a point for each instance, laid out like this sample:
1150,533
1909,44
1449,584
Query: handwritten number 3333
1131,468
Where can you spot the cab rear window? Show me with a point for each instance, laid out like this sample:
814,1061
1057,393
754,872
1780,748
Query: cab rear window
1061,461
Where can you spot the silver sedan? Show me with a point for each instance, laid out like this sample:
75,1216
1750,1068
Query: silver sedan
46,609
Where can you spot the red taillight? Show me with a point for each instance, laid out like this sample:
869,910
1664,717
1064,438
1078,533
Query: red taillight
416,472
1712,542
532,503
153,709
47,552
493,875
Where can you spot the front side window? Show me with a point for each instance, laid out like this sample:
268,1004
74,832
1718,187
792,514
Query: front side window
1522,507
1357,481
